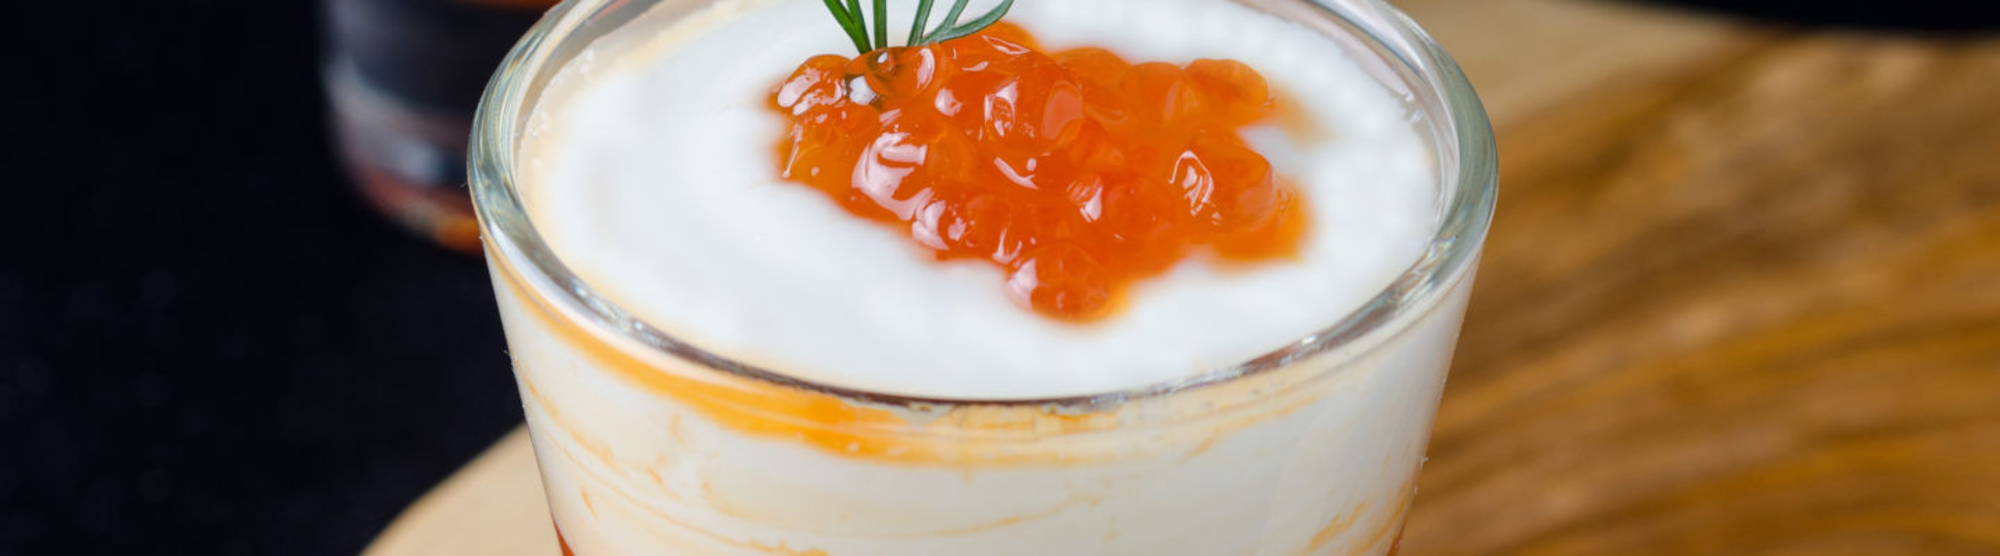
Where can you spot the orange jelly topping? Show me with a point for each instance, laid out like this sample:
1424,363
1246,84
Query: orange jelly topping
1077,171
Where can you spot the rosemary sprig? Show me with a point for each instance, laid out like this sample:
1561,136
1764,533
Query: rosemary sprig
881,23
855,23
949,33
848,23
923,17
951,17
860,20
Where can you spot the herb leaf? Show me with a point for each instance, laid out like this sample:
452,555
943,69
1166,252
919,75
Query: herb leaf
950,19
854,21
848,24
923,20
969,28
881,23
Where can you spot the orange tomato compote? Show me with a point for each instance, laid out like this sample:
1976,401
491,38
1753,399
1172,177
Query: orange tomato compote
1077,171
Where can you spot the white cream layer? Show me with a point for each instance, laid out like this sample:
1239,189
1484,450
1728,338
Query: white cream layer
649,169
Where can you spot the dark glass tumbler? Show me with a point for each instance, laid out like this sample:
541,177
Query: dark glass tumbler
403,78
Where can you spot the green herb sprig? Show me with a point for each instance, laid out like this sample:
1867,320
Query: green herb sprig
855,23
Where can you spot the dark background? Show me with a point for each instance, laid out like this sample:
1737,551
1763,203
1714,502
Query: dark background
209,344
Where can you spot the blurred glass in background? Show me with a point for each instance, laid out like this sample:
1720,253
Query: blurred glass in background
403,78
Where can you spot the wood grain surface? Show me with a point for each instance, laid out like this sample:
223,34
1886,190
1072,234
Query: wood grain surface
1746,306
1742,297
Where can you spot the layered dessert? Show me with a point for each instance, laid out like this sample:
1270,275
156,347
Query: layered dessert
1056,284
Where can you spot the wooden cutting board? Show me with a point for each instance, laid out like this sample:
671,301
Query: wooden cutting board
1742,297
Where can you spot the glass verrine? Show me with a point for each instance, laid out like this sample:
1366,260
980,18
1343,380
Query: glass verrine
650,444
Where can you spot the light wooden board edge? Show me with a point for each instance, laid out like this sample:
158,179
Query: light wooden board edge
1528,56
494,507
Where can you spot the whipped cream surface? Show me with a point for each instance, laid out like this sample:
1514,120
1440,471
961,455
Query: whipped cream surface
650,169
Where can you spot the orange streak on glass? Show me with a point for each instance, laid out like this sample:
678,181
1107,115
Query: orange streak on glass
1390,530
815,419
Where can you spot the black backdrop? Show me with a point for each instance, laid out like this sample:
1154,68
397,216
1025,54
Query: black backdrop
208,344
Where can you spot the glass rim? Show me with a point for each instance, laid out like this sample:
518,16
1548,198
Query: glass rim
1453,249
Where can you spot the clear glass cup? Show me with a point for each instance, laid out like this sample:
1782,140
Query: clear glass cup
649,444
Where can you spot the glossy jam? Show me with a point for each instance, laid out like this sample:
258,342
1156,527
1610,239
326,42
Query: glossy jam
1077,171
